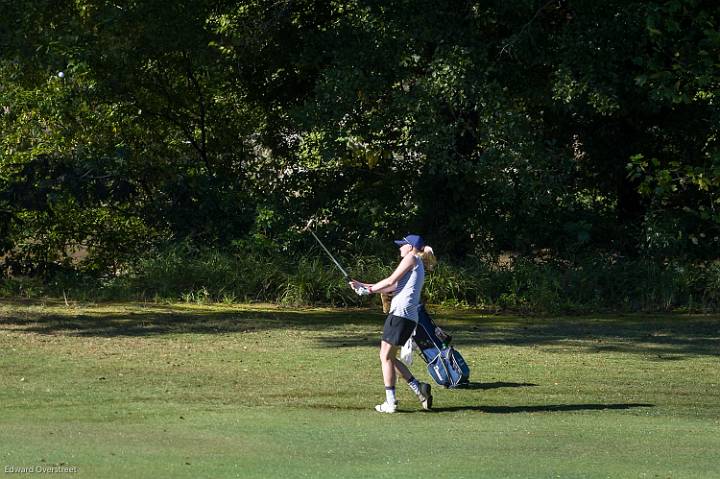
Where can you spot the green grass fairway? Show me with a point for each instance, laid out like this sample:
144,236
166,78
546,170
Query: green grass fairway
132,390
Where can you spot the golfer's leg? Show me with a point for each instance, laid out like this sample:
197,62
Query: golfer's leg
402,369
413,383
387,353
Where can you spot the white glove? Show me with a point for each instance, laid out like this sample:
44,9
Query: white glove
362,291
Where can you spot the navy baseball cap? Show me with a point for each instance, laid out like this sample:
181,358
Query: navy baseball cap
413,240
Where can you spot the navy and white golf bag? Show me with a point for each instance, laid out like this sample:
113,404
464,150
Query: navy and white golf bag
446,365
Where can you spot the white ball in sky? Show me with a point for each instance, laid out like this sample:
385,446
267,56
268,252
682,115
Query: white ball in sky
61,74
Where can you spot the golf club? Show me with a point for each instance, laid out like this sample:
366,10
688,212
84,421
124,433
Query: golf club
362,290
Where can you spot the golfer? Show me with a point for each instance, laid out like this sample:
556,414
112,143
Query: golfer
406,283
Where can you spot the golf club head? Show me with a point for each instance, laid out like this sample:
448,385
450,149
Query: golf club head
308,225
314,221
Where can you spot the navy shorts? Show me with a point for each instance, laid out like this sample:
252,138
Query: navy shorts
398,330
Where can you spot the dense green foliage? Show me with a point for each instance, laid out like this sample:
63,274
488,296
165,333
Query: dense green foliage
570,128
543,285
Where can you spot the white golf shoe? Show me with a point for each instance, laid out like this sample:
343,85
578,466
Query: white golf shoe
387,408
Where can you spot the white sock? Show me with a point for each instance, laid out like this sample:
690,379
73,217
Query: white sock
414,385
390,395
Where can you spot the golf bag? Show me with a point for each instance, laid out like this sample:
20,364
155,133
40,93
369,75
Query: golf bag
446,365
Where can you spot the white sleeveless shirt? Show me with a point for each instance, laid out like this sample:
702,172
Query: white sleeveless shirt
407,295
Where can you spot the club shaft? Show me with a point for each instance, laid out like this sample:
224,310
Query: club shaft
329,254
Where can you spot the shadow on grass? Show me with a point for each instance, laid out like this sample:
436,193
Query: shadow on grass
497,385
543,408
664,337
150,320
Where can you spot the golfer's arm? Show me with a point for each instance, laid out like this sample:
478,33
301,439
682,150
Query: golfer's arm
386,289
390,283
384,285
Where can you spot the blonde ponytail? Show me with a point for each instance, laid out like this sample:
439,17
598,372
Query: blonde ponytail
427,255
